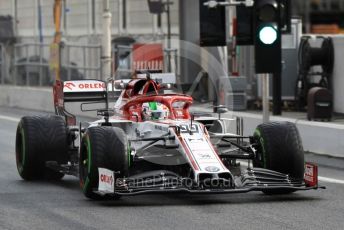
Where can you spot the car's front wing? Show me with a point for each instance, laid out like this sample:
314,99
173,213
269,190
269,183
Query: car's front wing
168,182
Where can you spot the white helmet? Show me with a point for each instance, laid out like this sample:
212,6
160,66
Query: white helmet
154,111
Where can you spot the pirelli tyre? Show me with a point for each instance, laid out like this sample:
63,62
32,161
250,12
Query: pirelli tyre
280,149
40,139
102,147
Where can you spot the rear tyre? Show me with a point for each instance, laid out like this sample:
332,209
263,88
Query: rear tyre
40,139
280,149
102,147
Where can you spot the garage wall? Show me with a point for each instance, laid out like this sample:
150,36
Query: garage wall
78,14
338,74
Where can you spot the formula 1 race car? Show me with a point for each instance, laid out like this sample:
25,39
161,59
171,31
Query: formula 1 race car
149,142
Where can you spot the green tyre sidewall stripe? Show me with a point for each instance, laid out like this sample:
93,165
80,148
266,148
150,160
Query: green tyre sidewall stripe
88,154
129,154
23,150
87,180
258,134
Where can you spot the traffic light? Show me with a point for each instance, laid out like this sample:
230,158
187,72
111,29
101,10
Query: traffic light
212,25
244,26
267,36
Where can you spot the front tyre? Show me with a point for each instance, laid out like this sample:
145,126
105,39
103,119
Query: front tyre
102,147
280,149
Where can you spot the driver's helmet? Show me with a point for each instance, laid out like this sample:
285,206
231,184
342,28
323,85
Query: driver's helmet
154,111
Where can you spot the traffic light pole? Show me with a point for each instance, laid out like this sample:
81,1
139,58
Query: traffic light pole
106,41
169,45
277,94
158,7
265,97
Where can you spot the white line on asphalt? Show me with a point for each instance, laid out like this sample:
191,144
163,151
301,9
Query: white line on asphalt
330,180
9,118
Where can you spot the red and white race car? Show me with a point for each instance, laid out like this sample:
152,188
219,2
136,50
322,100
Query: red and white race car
147,141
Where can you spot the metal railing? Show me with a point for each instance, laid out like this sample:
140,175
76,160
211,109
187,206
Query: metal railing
31,68
31,63
86,59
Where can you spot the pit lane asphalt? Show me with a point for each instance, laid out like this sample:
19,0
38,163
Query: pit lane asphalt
46,205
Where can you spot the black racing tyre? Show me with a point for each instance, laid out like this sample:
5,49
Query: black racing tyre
40,139
280,149
102,147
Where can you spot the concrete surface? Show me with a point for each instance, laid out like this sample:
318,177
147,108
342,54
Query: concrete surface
40,99
338,71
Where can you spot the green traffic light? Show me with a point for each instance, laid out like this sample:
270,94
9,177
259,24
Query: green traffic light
268,35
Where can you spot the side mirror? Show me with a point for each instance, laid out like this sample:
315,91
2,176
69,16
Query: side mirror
220,109
166,86
120,85
105,112
201,114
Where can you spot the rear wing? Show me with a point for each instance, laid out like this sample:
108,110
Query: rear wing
85,91
95,90
82,91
